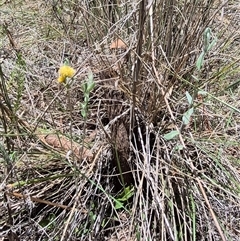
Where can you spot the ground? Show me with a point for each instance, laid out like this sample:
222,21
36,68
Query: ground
140,141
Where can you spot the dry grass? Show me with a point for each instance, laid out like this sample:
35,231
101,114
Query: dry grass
117,175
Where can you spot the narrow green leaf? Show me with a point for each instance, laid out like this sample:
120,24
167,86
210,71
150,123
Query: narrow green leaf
189,98
84,87
90,86
90,77
171,135
199,62
118,204
83,113
86,99
202,92
84,105
187,116
126,194
66,62
206,37
212,44
178,147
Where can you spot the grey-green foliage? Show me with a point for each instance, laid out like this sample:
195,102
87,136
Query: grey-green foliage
87,87
208,43
187,115
123,197
171,135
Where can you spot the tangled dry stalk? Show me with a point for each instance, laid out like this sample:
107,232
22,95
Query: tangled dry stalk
157,157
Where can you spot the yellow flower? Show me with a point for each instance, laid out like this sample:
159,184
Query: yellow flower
65,71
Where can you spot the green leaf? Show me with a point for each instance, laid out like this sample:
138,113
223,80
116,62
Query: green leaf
126,194
66,62
178,147
189,98
171,135
187,116
212,44
90,86
202,92
206,37
86,99
118,204
84,87
84,105
199,62
123,197
90,77
83,113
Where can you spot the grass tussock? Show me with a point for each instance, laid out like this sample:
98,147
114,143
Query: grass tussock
136,137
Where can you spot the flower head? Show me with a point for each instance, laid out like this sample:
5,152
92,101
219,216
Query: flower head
65,71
